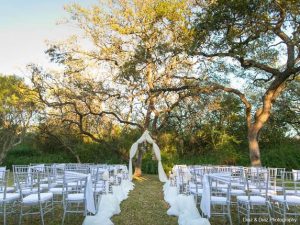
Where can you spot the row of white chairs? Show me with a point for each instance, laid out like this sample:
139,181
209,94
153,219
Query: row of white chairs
271,194
38,188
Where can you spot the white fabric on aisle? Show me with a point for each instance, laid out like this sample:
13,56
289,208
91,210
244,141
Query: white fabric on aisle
146,137
183,206
109,205
205,200
89,194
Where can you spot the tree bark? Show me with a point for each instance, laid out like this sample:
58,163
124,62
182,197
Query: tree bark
254,147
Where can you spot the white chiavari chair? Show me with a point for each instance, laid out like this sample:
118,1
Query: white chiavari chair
8,201
220,202
255,202
288,203
74,191
31,194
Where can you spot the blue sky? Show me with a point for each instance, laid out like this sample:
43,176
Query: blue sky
25,25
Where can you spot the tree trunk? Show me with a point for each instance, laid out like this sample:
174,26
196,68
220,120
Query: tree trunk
254,147
3,155
138,165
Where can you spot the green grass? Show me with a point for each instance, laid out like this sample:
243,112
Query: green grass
145,205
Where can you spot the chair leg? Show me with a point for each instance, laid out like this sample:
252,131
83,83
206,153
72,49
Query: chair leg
42,214
229,214
284,213
238,213
64,216
63,219
20,216
4,213
248,214
269,212
52,208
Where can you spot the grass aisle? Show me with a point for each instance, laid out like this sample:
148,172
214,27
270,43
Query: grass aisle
145,205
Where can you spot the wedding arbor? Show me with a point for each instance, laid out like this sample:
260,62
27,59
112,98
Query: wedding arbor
133,150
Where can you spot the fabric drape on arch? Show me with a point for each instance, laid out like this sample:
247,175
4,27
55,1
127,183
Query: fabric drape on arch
146,137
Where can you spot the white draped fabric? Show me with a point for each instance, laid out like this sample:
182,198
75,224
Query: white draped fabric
109,205
205,201
183,206
146,137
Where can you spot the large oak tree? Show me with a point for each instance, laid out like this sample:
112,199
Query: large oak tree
260,42
127,49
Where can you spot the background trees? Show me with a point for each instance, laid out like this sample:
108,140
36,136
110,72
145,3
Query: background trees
17,109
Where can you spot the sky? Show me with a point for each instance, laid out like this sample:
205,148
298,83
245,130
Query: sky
25,26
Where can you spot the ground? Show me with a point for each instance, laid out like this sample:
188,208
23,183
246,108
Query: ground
145,205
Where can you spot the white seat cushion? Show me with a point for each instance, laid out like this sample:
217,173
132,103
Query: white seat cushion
234,192
237,185
28,191
219,186
277,188
44,186
254,200
9,197
73,184
10,189
216,200
290,199
292,192
263,192
33,198
196,191
99,189
57,190
75,197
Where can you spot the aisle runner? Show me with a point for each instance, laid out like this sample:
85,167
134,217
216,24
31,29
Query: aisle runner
183,206
110,205
145,205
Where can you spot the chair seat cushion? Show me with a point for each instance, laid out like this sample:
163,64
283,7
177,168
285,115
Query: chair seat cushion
28,191
290,199
10,189
218,200
57,190
237,185
263,192
33,198
99,189
44,186
277,188
254,200
196,191
234,192
9,197
292,192
75,197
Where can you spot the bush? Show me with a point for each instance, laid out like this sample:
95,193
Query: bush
24,155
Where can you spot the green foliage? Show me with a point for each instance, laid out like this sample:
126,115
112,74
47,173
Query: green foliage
274,154
24,155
